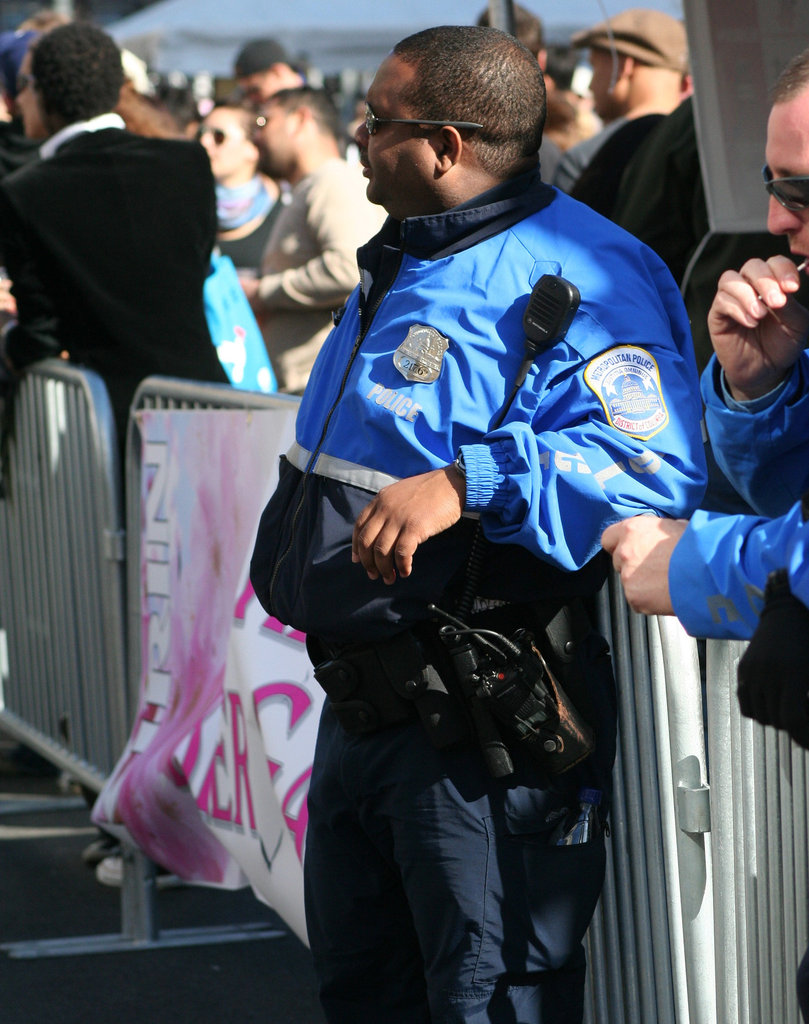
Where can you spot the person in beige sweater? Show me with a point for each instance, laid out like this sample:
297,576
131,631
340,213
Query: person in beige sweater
309,265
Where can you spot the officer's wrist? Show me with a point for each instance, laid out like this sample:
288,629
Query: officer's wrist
456,473
752,398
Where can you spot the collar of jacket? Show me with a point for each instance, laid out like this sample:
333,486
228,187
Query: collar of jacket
72,131
439,235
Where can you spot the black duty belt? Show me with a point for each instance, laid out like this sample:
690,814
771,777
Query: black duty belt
373,686
409,676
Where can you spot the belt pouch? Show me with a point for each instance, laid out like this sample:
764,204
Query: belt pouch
358,693
387,683
414,676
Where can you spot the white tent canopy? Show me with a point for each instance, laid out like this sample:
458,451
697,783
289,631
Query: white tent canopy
205,35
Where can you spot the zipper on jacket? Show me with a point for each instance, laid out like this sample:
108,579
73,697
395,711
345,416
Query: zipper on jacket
366,319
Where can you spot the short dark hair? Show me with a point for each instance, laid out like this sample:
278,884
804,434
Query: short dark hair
317,100
472,73
794,79
78,71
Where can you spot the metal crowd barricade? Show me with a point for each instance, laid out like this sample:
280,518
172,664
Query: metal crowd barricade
63,685
703,917
650,944
138,897
68,688
761,854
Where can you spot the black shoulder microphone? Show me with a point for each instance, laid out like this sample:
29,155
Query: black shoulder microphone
550,311
551,307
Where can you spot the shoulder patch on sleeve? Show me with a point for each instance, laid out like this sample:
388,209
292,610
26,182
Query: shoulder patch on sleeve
626,380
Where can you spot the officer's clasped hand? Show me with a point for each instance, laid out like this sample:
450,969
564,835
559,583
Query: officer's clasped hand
774,672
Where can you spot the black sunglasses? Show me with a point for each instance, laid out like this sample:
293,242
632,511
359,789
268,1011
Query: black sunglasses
219,135
372,122
791,193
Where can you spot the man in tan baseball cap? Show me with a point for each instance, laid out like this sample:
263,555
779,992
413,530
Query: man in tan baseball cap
640,73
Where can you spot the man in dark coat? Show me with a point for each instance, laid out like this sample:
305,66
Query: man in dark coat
107,238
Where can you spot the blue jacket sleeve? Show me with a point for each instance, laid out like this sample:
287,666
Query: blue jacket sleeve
615,432
763,453
720,566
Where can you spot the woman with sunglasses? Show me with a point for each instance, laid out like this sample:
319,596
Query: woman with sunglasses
246,200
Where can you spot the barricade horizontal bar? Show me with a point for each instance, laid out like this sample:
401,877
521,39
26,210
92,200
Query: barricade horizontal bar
82,771
168,938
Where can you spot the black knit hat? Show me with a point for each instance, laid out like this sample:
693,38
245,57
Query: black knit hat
258,55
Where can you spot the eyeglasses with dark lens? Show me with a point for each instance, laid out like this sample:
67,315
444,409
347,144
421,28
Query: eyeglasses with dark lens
217,134
791,193
372,122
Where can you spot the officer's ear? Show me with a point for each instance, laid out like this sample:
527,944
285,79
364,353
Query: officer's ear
448,144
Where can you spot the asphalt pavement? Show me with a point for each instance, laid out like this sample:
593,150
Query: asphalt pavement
47,893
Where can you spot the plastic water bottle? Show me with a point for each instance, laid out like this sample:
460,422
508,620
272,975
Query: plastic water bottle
580,825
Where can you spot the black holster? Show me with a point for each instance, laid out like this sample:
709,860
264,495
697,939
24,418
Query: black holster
538,691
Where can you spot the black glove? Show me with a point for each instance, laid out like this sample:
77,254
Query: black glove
774,672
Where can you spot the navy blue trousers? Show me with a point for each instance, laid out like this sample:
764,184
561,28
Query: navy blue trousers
432,893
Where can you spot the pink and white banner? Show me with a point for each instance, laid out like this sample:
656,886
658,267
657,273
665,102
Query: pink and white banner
212,783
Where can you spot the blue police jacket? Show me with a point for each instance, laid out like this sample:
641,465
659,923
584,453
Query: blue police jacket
720,565
606,425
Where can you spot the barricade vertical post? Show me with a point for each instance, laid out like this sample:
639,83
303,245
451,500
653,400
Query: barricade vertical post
629,959
641,958
604,994
678,692
800,766
650,825
138,903
729,933
758,804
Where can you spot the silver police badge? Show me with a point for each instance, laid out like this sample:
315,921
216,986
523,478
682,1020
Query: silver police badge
420,355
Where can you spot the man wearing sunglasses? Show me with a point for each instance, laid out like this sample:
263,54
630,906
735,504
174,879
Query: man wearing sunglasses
308,266
435,886
742,576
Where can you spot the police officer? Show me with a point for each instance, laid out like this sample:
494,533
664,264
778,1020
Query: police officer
435,891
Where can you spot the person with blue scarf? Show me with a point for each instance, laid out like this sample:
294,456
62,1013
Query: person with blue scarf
247,202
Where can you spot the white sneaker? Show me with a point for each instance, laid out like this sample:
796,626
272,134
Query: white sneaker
110,871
